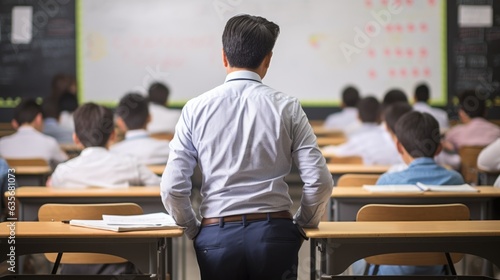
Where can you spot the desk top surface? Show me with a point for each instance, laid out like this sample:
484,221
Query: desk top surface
336,168
31,170
149,191
62,230
359,192
404,229
157,169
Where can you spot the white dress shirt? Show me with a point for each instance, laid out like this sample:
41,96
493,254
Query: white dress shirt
96,166
63,135
371,142
440,115
244,136
28,142
489,159
163,119
146,149
346,120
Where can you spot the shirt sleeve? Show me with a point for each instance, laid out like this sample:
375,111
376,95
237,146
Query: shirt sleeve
318,182
488,159
176,181
147,177
58,155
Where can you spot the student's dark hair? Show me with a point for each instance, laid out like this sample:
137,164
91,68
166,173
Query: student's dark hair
158,93
418,133
422,92
26,111
471,104
93,124
68,102
394,112
350,96
393,96
50,108
369,110
247,39
133,109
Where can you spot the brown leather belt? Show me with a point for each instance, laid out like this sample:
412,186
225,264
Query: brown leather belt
248,217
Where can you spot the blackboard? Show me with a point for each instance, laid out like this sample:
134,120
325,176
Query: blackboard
26,69
474,57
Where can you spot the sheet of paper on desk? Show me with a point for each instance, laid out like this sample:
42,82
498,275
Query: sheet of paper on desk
100,224
159,218
392,188
448,188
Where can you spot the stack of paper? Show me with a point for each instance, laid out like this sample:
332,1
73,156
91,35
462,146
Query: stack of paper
419,187
129,222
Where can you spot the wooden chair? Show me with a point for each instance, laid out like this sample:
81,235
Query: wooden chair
61,212
468,166
436,212
357,180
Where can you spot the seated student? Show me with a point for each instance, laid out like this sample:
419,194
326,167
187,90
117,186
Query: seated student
347,118
418,141
370,141
421,97
392,96
475,130
489,159
96,166
28,141
163,119
133,117
391,115
51,126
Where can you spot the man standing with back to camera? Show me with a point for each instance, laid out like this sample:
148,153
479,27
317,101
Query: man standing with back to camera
244,136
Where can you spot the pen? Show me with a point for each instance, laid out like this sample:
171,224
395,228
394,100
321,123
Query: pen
65,221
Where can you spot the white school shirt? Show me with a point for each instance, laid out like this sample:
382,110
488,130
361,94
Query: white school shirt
97,166
440,115
28,142
345,120
146,149
371,142
163,119
244,136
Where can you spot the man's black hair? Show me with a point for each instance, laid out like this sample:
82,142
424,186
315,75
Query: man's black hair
418,133
133,109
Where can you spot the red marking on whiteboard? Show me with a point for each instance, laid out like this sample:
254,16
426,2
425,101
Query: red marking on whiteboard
368,3
384,2
392,72
369,28
411,27
388,28
427,72
409,2
432,2
399,28
402,72
387,52
409,52
372,73
423,27
423,52
371,53
415,72
397,3
399,52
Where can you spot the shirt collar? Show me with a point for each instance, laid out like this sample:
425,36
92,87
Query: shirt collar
93,150
422,161
136,133
243,75
26,128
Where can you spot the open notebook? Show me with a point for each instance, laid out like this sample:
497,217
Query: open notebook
419,187
122,223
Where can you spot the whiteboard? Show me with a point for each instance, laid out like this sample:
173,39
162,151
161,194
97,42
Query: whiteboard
324,45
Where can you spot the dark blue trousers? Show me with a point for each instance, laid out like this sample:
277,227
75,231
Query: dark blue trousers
255,250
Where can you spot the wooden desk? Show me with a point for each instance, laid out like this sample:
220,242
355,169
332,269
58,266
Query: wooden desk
31,175
157,169
340,169
330,140
347,201
146,249
320,130
31,198
343,243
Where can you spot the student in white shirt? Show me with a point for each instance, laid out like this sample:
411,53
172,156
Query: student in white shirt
96,165
421,97
28,141
370,141
489,159
163,119
51,124
133,117
347,119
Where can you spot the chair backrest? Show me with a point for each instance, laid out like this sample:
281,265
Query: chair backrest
344,160
13,162
468,159
393,212
60,212
163,136
357,180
